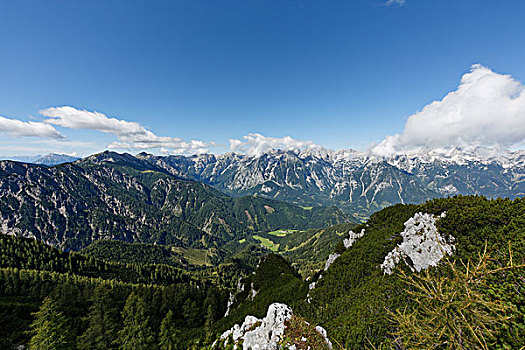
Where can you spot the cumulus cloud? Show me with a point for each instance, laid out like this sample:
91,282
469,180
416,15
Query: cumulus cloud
487,108
130,135
256,144
18,128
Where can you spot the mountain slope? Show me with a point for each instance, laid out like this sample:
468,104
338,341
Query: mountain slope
353,295
118,196
372,275
363,283
307,251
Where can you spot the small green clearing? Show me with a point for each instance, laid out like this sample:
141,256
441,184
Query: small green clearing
307,208
267,243
242,240
194,256
282,233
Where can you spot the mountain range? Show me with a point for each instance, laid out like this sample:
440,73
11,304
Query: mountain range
357,182
207,200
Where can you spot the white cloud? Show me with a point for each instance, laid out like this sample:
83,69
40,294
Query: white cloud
256,144
394,2
487,108
130,135
18,128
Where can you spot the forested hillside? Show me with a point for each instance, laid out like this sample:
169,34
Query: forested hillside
307,250
138,253
29,254
86,303
117,196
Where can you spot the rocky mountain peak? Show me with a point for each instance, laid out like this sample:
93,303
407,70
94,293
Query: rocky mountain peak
356,181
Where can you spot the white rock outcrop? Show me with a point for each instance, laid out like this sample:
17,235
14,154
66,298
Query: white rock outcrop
252,293
322,331
231,300
330,261
264,334
422,245
311,285
261,334
352,237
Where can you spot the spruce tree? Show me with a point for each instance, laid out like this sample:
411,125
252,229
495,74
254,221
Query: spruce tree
169,336
136,332
50,328
102,319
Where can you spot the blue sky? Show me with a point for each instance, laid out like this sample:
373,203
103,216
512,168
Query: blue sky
334,73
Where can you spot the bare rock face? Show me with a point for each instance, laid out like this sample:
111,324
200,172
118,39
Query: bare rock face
352,237
422,245
262,334
268,334
331,260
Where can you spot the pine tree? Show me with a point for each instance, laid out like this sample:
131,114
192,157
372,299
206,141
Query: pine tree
50,328
103,321
136,333
169,336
